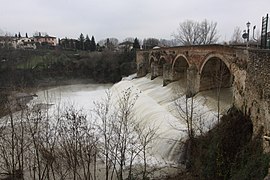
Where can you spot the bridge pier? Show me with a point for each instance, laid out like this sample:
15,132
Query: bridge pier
156,70
142,70
193,81
168,76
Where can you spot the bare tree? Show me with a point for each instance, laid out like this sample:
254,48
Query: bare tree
221,78
73,125
237,36
192,32
150,43
123,140
67,145
116,131
130,39
13,142
146,136
168,43
208,32
102,111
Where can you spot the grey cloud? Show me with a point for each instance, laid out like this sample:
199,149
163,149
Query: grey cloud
126,18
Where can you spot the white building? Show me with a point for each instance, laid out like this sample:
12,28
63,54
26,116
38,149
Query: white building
17,43
25,43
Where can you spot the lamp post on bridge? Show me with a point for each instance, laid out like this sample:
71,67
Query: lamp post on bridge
248,25
246,33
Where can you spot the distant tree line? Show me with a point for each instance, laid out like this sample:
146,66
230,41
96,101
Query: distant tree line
112,44
86,44
82,43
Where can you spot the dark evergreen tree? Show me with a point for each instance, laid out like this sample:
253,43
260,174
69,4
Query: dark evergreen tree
72,43
98,48
19,35
16,35
93,46
81,42
26,35
136,44
87,44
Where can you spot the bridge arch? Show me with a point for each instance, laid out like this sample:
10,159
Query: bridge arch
180,65
161,61
151,60
156,66
214,55
215,73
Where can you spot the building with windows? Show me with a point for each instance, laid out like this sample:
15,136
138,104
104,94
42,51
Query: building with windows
25,43
45,40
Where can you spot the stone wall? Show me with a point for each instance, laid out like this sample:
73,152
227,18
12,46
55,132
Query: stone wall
142,63
257,90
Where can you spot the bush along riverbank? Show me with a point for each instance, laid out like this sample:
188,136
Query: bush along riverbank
228,151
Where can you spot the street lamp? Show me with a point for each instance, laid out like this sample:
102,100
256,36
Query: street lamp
248,25
254,27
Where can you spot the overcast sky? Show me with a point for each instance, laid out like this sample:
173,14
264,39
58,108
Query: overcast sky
126,18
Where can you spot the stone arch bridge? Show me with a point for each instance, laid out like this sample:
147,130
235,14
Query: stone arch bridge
201,67
204,67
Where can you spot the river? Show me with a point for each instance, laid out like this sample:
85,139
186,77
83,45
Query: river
163,108
157,106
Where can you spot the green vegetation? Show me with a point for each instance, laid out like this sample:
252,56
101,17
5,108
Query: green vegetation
229,151
31,67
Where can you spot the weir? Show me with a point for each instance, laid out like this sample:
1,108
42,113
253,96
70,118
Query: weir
158,107
163,108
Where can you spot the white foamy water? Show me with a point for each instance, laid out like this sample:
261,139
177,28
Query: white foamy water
158,107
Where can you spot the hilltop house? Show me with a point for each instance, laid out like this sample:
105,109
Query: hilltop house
16,42
27,43
45,40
